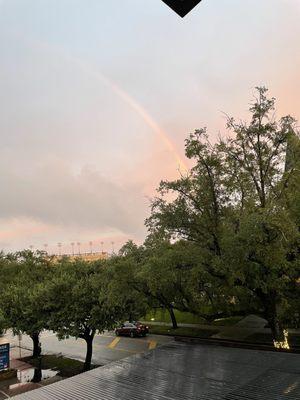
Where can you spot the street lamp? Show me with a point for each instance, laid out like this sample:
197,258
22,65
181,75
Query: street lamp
91,246
59,248
102,243
45,247
112,247
78,246
31,247
72,245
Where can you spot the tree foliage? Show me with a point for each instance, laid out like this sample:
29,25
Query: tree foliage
21,294
240,206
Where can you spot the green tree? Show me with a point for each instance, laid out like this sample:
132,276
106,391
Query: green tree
2,323
22,296
77,302
260,165
122,288
237,205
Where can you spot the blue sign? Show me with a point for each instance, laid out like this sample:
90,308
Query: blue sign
4,356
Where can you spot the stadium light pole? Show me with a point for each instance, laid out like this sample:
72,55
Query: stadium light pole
72,245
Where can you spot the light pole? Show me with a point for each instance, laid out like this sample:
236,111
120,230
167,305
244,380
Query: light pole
91,247
31,247
112,247
102,243
78,246
45,247
72,245
59,248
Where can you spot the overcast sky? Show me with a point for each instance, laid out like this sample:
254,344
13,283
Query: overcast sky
97,97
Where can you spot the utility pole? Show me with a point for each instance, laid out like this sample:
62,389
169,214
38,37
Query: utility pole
91,247
78,246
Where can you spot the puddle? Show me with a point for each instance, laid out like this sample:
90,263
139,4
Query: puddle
26,376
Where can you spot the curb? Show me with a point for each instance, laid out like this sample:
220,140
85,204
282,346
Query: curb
235,344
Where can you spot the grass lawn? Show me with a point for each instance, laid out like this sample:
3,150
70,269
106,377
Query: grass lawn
8,374
229,321
67,367
189,332
161,315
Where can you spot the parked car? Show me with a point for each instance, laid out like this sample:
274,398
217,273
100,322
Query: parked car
132,329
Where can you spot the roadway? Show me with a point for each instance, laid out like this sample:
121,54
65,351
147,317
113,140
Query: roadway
107,347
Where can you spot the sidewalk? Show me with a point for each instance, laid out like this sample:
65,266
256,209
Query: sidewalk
248,326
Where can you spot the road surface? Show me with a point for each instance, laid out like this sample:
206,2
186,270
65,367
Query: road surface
106,348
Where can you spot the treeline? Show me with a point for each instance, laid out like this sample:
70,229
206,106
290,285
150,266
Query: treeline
224,240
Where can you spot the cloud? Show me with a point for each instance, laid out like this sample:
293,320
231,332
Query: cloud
53,194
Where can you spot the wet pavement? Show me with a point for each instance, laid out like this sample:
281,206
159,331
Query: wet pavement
178,371
106,348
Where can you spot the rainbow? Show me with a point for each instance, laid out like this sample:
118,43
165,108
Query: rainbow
134,105
130,101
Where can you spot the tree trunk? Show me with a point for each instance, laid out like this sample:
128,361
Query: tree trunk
36,344
37,377
173,318
271,315
277,330
89,352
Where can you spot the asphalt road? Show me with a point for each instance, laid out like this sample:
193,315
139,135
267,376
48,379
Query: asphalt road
107,347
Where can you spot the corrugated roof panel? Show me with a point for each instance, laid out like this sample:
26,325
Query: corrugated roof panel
180,371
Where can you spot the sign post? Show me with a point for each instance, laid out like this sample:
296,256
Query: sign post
4,356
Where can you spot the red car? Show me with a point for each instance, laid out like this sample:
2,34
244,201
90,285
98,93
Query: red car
132,329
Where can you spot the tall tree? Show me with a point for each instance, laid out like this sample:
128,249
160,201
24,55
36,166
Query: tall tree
77,303
22,296
260,164
233,206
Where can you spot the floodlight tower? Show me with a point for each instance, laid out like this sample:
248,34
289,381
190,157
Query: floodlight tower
72,245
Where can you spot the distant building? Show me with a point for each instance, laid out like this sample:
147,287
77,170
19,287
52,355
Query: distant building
103,255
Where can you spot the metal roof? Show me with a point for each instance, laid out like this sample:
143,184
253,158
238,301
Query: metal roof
179,371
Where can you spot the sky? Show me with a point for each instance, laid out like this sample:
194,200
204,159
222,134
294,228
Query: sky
97,98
